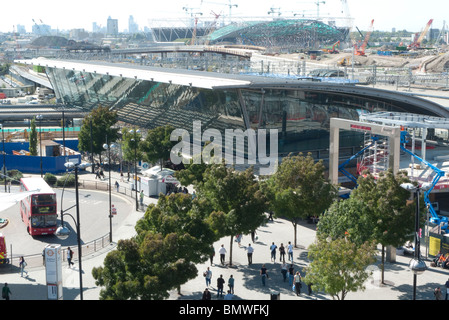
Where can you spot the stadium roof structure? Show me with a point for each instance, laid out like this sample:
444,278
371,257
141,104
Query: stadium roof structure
261,31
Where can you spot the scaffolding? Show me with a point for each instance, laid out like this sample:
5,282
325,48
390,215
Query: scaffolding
419,128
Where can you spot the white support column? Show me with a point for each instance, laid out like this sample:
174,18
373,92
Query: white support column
334,148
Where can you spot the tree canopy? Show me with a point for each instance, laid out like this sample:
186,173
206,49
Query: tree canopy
299,189
173,236
102,120
339,266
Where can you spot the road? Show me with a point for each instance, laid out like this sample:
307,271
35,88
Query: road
94,220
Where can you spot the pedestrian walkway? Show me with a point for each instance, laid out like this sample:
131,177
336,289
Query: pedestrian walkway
398,283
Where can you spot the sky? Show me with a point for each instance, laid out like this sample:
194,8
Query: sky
411,15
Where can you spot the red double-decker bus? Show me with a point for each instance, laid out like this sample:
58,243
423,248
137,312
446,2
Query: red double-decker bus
38,210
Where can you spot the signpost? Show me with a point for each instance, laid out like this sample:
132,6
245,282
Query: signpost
53,271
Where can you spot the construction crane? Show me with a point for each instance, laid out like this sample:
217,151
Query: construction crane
361,51
417,42
230,5
333,48
37,26
273,11
318,8
213,26
195,22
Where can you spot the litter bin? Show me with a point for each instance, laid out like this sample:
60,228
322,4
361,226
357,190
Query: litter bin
275,295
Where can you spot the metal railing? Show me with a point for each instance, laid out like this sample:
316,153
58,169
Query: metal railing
37,259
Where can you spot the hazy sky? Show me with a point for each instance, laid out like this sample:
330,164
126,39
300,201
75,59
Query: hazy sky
411,15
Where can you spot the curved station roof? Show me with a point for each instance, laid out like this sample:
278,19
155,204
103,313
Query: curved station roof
223,81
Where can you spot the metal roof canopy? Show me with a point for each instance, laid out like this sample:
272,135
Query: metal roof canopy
409,120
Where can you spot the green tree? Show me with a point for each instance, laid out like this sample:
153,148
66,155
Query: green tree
339,266
131,145
157,144
236,199
377,210
145,271
102,120
180,214
349,218
33,138
389,208
172,237
299,189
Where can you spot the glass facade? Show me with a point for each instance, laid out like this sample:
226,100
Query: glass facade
300,115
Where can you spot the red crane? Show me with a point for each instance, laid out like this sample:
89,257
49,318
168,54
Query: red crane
417,42
361,51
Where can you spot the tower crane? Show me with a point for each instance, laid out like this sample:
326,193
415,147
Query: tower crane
230,5
195,22
318,8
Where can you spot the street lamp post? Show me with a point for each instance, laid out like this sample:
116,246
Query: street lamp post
417,265
135,132
63,232
4,160
39,117
108,147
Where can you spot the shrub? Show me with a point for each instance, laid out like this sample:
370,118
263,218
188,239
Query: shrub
50,179
69,183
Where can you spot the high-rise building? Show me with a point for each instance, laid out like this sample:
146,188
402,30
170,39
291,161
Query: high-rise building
112,26
133,27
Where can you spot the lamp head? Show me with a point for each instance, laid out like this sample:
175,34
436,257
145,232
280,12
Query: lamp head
62,232
417,266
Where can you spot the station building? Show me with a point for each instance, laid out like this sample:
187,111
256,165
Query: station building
148,97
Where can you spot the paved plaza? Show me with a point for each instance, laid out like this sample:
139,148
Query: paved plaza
398,282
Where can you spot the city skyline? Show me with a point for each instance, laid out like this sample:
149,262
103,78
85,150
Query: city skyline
409,15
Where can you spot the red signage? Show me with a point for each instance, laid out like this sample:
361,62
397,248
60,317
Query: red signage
359,127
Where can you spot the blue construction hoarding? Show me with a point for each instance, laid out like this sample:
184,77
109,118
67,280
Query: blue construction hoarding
32,164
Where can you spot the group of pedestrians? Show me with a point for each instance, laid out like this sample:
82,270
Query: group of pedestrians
287,269
220,286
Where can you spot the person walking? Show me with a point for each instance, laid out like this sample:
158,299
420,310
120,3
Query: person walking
263,274
212,255
253,236
117,185
291,275
282,253
438,294
206,294
141,197
238,238
69,256
208,276
222,253
6,292
220,285
298,283
273,248
284,271
290,251
250,251
231,284
22,265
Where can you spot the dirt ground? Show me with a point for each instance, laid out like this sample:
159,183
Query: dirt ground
425,61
